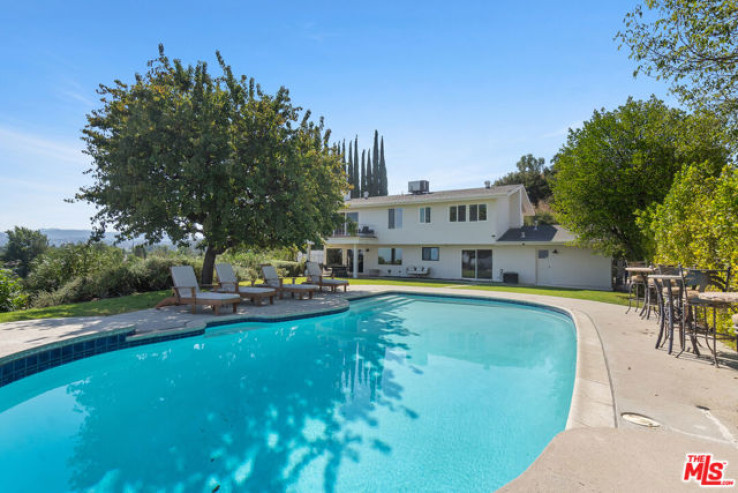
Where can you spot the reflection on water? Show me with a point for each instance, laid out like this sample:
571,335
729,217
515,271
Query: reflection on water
373,398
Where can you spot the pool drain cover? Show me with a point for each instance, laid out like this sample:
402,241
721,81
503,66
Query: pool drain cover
640,420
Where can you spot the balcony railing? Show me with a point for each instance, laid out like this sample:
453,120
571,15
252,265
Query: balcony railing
352,230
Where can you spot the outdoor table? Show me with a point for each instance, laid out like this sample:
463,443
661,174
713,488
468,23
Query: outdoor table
645,272
717,300
668,308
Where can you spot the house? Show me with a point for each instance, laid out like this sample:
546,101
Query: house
470,234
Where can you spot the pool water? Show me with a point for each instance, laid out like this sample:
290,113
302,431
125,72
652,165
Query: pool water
400,393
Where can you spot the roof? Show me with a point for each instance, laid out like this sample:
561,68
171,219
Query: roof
548,233
442,196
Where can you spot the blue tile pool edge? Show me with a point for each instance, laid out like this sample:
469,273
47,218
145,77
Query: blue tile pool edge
31,361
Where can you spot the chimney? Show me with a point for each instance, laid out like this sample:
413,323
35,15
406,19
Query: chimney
487,184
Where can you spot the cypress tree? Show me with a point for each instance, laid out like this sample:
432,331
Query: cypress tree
363,174
350,173
376,184
357,178
369,175
382,171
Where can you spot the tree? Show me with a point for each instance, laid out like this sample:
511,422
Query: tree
376,177
23,246
350,176
697,222
357,176
623,161
382,171
182,153
363,174
534,175
11,294
369,174
693,44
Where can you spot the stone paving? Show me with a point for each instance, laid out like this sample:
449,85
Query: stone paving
619,371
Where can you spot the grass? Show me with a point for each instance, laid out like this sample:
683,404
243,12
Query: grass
110,306
141,301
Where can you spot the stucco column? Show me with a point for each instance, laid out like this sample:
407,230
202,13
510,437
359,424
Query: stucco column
356,262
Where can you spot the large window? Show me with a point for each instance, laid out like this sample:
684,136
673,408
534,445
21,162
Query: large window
425,214
430,253
457,213
477,212
333,256
476,264
394,218
389,256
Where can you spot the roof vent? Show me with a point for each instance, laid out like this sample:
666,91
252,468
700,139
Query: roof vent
418,187
366,194
522,235
487,184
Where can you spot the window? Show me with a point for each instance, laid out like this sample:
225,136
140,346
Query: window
389,256
430,253
333,256
542,254
425,215
473,212
482,212
457,213
394,218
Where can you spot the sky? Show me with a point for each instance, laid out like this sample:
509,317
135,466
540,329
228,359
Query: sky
459,90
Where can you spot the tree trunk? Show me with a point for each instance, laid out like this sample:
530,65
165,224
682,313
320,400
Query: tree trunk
209,264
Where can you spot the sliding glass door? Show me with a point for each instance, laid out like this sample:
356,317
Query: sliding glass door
476,264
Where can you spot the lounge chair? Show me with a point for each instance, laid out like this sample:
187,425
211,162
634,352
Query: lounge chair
272,279
315,276
187,291
228,283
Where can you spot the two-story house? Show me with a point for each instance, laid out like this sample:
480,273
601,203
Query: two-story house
472,234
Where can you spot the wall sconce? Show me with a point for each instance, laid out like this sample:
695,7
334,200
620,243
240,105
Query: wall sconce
555,252
366,249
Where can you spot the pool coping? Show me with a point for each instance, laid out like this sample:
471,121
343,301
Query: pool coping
592,400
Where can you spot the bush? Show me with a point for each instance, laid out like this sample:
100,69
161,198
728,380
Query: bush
11,294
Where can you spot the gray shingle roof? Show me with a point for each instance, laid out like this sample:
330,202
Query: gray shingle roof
461,194
542,233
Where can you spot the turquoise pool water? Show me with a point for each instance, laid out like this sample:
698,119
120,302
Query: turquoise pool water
400,393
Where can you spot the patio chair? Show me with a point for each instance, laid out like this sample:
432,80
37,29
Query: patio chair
272,279
228,283
315,276
699,281
636,284
187,291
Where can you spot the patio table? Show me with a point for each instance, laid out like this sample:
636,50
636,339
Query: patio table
718,301
645,272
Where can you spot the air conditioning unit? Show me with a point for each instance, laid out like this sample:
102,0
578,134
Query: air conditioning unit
418,187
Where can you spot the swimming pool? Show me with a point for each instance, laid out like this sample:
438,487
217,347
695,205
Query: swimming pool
399,393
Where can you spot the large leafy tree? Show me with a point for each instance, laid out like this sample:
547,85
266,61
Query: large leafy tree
186,154
691,43
23,246
621,162
533,174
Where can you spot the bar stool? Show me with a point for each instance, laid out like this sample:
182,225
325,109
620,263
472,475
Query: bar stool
636,284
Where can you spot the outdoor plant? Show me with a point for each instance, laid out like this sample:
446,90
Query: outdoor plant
11,294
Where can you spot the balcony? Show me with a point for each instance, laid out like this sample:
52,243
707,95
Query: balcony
353,230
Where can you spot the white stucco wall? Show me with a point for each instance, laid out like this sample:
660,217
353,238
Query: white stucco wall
570,267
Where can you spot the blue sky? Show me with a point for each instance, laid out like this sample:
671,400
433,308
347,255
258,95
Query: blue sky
459,90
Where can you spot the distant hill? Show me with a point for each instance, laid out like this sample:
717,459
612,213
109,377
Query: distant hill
62,236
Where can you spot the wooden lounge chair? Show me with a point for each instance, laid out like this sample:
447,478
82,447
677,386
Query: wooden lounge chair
272,279
228,283
315,276
187,292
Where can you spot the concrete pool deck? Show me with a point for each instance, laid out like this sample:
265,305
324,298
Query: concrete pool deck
618,371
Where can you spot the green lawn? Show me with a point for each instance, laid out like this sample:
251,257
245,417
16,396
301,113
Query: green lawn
148,300
111,306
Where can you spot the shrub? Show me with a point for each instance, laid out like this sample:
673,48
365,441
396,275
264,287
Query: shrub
11,294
